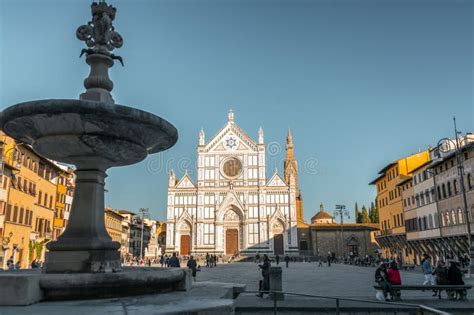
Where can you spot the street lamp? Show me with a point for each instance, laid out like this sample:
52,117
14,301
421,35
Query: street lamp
460,163
341,212
144,212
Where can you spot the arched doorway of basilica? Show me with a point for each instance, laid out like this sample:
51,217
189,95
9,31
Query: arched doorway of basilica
278,246
231,241
185,239
232,226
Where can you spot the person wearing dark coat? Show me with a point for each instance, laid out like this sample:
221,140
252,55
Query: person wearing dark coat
287,260
441,274
381,279
174,261
193,266
277,259
265,284
455,278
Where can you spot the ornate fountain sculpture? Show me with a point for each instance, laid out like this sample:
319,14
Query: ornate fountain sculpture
94,134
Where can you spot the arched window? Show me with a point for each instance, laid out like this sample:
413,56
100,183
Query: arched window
460,216
439,193
455,187
425,223
444,190
469,181
453,217
446,217
430,221
449,189
443,219
420,226
436,221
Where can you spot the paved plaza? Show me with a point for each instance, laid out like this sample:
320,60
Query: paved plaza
307,278
343,281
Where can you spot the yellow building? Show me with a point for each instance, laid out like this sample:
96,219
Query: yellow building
113,224
392,237
30,206
63,189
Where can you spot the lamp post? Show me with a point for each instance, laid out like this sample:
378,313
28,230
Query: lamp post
341,212
144,212
457,143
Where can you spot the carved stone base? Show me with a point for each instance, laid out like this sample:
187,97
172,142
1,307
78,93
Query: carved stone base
87,261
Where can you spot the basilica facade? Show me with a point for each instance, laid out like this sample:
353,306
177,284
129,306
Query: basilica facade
233,207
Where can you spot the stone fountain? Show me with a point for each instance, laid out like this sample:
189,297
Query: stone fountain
94,134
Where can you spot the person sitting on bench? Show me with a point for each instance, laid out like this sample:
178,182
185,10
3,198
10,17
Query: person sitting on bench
393,277
455,278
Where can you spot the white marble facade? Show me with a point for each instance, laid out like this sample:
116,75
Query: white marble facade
232,208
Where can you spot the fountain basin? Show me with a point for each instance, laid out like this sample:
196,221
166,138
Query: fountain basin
80,131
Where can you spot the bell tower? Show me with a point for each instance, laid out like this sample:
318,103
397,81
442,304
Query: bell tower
291,172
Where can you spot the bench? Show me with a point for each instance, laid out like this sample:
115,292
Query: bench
451,290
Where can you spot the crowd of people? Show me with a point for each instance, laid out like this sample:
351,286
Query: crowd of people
387,274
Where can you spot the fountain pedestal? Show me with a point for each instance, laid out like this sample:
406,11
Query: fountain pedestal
86,245
94,134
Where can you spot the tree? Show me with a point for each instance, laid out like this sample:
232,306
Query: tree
357,214
374,212
365,215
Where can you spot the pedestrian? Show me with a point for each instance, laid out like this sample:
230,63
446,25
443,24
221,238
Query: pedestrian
277,259
208,260
320,264
167,261
257,258
162,261
455,278
193,266
265,283
428,271
287,260
174,261
149,262
17,265
34,264
329,258
441,273
381,280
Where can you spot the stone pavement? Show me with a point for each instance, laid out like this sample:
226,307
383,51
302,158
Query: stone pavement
343,281
307,278
208,294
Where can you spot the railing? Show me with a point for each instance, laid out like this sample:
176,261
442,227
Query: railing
420,309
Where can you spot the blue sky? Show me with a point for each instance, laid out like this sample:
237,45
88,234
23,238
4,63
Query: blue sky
360,83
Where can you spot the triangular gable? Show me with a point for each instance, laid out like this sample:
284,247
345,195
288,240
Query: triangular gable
231,128
185,182
231,199
276,181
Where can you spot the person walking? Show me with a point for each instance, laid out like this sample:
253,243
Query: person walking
277,259
162,261
329,257
287,260
193,266
208,258
265,283
174,261
428,271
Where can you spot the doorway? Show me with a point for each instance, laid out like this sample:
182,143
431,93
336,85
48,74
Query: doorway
231,241
278,244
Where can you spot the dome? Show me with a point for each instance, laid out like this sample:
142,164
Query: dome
322,217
